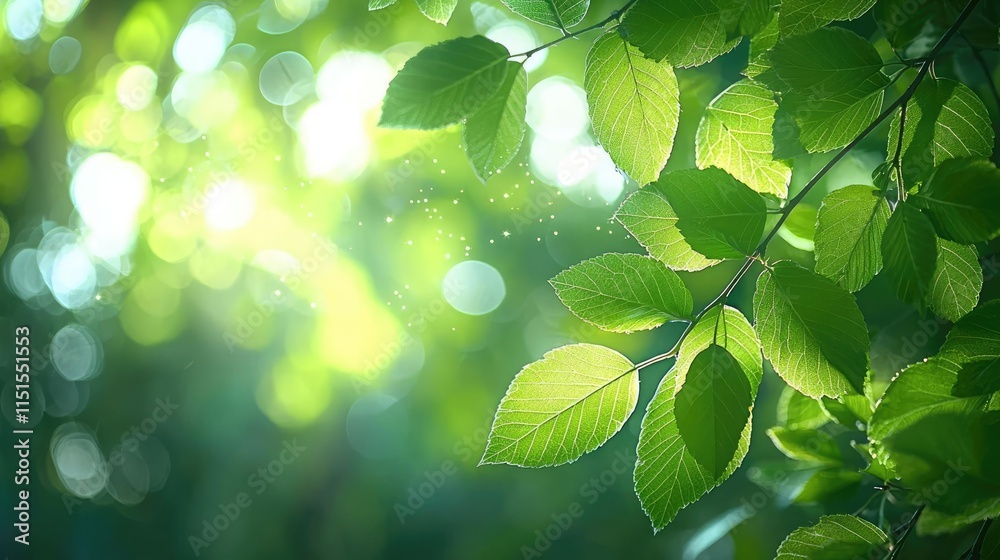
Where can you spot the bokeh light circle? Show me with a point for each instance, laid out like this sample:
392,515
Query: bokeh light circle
64,55
473,287
286,78
76,353
557,109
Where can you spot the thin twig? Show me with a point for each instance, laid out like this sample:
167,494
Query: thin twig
615,16
906,533
897,158
977,549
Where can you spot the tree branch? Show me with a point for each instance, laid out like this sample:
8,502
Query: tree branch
976,553
923,69
906,533
615,16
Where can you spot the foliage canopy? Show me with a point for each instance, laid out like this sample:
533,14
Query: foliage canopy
810,87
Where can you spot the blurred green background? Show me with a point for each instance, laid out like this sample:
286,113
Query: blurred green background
264,328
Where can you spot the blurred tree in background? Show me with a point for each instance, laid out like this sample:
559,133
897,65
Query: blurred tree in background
263,327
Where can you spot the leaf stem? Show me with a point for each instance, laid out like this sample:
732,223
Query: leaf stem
869,501
897,158
976,553
906,533
615,16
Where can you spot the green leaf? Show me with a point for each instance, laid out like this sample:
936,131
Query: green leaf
667,476
634,105
437,10
913,28
958,278
921,390
623,293
811,330
735,135
956,452
755,16
849,231
826,484
686,34
760,44
726,327
445,83
848,410
831,84
835,537
978,378
876,467
554,13
493,134
713,407
718,216
647,215
944,120
811,446
974,342
379,4
976,336
910,251
962,198
799,229
802,16
829,124
828,63
933,522
566,404
797,411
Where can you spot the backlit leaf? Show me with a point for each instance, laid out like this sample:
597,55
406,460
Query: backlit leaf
713,407
909,248
554,13
801,16
811,331
634,106
849,231
958,452
957,280
647,215
835,537
735,135
962,198
445,83
667,476
831,83
566,404
812,446
493,134
944,120
923,389
623,293
718,216
685,34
